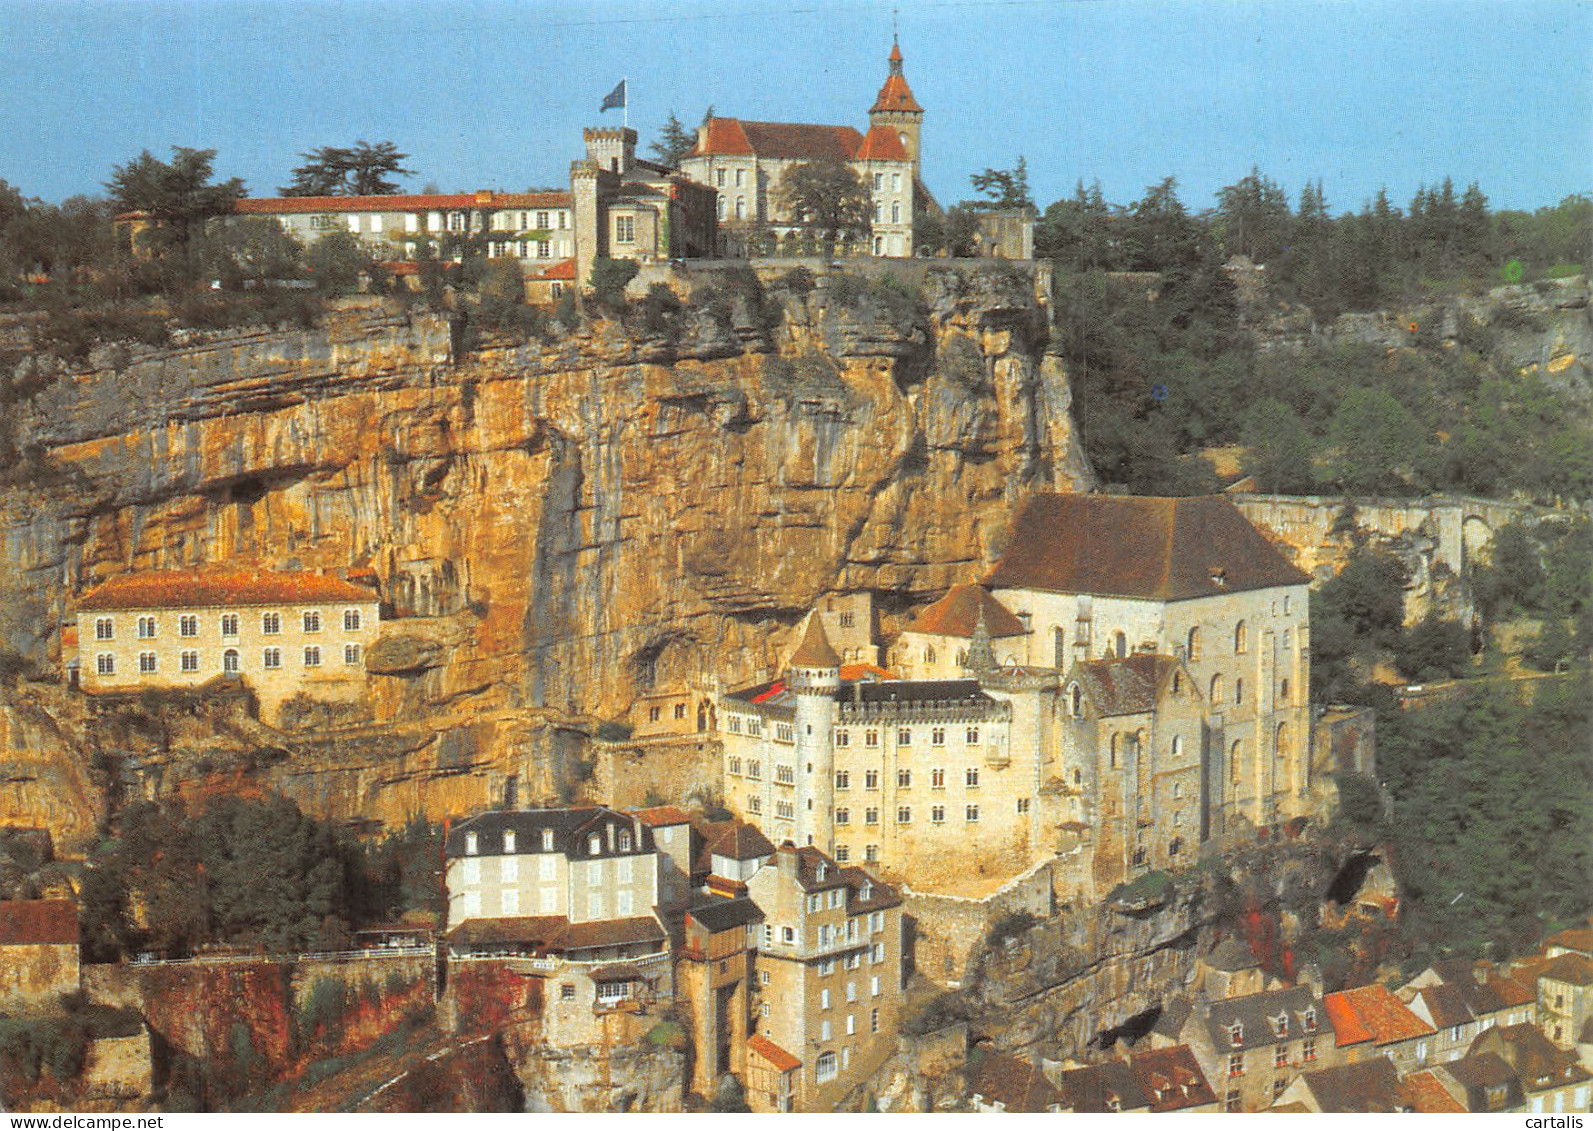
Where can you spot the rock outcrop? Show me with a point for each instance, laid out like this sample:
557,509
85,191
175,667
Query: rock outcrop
555,526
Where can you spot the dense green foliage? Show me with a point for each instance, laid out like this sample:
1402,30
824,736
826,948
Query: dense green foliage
830,200
361,169
1493,812
1162,368
247,872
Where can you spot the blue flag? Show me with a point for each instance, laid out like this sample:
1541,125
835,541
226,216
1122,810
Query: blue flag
616,97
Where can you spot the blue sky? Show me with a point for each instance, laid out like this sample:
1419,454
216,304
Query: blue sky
494,94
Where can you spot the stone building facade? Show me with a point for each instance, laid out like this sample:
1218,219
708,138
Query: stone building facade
38,954
1189,578
746,161
281,633
829,975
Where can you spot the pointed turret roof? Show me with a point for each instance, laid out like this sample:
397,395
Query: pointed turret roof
896,94
815,650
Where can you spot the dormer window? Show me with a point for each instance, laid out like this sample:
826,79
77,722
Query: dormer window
594,845
1219,578
822,872
508,841
866,892
1280,1025
547,840
1236,1034
625,840
471,844
1308,1020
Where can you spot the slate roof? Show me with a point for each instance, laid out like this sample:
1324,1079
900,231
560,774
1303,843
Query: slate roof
1126,686
614,932
542,931
400,202
773,1053
1478,1071
1481,998
1257,1012
1139,547
949,691
1372,1013
1175,1012
1422,1092
212,588
957,613
1015,1084
38,922
1446,1004
1170,1079
741,841
1536,1059
725,914
815,650
1108,1086
569,826
1370,1086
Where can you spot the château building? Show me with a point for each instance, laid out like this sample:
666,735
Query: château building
745,163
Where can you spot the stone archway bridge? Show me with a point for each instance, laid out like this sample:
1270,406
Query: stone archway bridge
1448,529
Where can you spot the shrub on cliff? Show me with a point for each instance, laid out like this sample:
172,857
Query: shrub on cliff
608,280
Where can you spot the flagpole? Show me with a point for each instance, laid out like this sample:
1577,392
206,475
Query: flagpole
626,105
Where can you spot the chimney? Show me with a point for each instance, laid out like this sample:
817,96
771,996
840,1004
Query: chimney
702,136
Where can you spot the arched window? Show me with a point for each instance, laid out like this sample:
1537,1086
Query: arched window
1178,682
1239,636
929,653
702,716
741,208
1283,692
1194,644
229,660
1059,646
1236,758
1076,700
1113,762
1119,644
1078,777
1238,691
1281,740
896,212
1216,688
1178,745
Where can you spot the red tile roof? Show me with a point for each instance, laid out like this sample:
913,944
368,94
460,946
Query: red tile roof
882,144
1372,1013
661,815
205,588
1015,1084
564,269
957,613
1575,969
1511,992
895,95
797,141
1127,546
614,932
851,673
1579,939
773,1053
1422,1092
398,202
38,922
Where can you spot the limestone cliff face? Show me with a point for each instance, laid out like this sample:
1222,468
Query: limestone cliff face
555,526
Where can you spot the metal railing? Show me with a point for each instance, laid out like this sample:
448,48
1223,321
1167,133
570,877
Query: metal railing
307,956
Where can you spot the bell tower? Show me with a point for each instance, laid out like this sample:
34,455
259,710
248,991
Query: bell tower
897,109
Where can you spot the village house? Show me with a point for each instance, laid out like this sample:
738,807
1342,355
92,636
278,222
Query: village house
714,988
566,896
1483,1082
282,634
1170,1079
746,163
829,974
1369,1021
1368,1086
1552,1081
1002,1084
1251,1048
1109,1086
1565,997
1488,996
38,954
